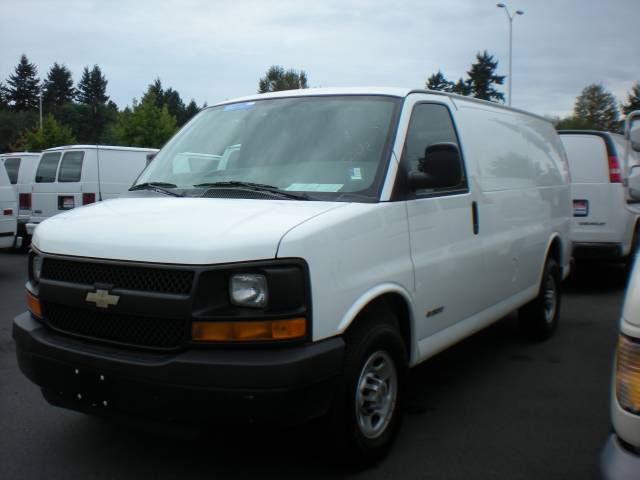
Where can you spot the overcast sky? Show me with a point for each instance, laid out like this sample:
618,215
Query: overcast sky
217,49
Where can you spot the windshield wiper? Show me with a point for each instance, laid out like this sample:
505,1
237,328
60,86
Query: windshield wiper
255,186
160,187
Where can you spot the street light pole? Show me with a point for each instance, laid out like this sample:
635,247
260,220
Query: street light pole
40,110
510,17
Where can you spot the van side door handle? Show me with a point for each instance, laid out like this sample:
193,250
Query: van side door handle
474,218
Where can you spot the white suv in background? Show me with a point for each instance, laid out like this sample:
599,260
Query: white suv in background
602,227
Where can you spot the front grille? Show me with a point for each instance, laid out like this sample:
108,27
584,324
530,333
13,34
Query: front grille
154,333
119,276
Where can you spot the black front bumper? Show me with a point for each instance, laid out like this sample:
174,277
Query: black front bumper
285,385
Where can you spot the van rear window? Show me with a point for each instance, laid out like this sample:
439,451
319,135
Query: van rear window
71,167
48,167
12,165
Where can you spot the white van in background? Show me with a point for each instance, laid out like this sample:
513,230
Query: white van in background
8,212
76,175
602,227
20,167
349,234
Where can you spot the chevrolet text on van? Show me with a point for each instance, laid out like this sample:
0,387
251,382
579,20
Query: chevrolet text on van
602,228
620,458
20,167
288,256
76,175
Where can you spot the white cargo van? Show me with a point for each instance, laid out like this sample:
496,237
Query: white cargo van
8,212
602,228
288,256
76,175
20,166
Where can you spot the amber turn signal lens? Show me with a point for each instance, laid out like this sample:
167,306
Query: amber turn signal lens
33,304
628,374
249,331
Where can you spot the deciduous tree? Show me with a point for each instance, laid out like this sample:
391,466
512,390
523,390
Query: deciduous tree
598,107
144,124
52,135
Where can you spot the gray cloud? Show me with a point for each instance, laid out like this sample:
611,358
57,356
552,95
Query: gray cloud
212,50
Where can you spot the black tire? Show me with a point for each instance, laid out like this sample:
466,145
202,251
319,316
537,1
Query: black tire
539,318
374,342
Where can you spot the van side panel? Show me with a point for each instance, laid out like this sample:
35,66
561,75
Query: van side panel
515,214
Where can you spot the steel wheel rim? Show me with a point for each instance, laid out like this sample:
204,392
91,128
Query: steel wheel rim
376,394
550,298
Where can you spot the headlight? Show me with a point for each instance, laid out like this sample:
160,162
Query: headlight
628,374
248,290
36,267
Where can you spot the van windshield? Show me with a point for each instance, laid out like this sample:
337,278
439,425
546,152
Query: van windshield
326,146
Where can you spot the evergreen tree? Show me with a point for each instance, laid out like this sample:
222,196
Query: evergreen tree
24,86
633,100
52,135
277,79
169,98
437,81
58,87
144,124
192,110
482,78
92,88
12,126
4,102
461,87
597,106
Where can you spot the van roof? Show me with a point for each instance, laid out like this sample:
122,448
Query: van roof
101,147
19,154
383,91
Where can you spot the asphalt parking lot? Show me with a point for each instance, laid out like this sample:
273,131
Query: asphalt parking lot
493,407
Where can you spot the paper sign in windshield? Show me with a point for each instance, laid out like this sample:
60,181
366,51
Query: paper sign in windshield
314,187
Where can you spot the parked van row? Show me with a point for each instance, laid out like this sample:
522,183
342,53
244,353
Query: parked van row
62,178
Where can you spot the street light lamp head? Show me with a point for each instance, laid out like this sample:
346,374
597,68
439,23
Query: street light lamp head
519,12
501,5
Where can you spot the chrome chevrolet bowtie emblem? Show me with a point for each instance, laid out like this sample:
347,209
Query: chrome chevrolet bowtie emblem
102,299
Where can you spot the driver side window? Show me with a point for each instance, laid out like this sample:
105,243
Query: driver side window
430,124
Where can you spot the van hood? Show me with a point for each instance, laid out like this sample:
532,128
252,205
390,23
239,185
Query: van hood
195,231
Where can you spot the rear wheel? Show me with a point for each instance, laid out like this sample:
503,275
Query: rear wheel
366,415
539,318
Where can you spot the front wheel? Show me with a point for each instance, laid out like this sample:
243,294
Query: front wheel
367,412
539,318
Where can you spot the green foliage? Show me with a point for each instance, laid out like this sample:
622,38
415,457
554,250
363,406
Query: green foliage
192,110
438,82
277,79
52,135
144,125
573,123
169,98
4,101
461,87
92,88
24,86
482,78
598,107
633,100
12,124
58,87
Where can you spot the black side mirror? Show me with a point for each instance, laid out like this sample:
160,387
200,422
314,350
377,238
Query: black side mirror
439,168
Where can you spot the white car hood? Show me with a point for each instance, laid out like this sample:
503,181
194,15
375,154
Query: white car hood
194,231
